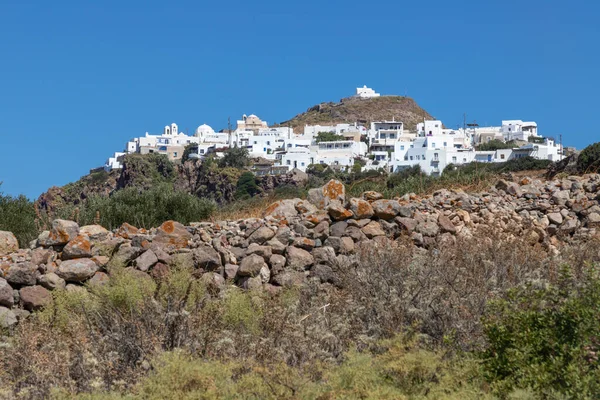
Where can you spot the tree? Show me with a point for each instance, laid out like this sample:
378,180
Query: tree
328,137
191,148
246,186
495,144
589,159
17,215
236,157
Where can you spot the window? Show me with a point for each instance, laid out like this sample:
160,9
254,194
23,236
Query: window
302,164
288,162
445,144
265,149
202,151
402,147
432,144
255,142
502,156
453,159
411,157
175,154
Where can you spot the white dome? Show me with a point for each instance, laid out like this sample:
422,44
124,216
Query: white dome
204,130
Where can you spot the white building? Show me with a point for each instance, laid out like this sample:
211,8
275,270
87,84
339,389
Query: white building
114,162
366,93
518,130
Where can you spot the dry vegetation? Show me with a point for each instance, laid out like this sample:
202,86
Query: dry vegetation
397,322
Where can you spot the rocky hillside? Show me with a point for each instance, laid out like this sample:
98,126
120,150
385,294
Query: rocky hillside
350,110
297,240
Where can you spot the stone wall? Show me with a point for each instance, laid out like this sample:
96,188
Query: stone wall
296,240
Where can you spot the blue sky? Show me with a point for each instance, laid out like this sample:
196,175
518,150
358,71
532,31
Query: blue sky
80,78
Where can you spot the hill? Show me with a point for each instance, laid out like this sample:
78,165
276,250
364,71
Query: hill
352,109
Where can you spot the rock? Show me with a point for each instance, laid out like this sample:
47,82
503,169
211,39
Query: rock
207,258
373,229
593,220
386,209
8,319
446,225
22,274
277,263
8,243
347,245
77,270
406,224
282,209
372,196
331,191
126,231
78,247
264,251
264,274
305,207
324,255
338,229
361,208
555,218
124,256
95,233
213,281
52,281
41,256
321,231
62,232
509,187
35,297
251,266
298,259
304,243
252,284
289,279
428,228
231,271
7,298
318,217
338,212
276,246
172,234
284,235
106,248
569,226
355,233
261,235
146,261
561,197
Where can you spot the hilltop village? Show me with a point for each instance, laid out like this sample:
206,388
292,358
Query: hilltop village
385,144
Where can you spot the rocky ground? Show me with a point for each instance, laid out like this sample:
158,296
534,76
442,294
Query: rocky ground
297,240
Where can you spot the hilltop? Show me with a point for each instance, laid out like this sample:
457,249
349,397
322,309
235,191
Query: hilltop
351,109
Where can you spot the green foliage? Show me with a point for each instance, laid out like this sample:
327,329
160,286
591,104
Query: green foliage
535,139
547,338
496,144
246,186
589,159
189,149
235,157
242,312
145,208
328,137
17,215
146,170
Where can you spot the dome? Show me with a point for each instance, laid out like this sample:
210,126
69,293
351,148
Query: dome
204,130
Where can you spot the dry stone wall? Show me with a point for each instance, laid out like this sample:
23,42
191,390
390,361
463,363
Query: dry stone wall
297,239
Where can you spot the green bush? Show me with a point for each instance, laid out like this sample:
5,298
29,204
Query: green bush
589,159
496,144
328,137
145,208
146,170
17,215
235,157
547,338
246,186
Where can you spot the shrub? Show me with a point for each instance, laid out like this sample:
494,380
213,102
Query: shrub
246,186
17,215
328,137
145,171
589,159
546,337
145,208
495,144
235,157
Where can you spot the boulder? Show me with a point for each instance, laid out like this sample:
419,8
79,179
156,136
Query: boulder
333,190
207,258
361,208
231,271
406,224
593,220
124,256
8,319
338,229
52,281
7,299
251,266
264,251
95,233
8,243
386,209
289,279
446,225
304,243
372,196
561,197
282,209
298,259
61,233
276,246
338,212
261,235
277,263
428,228
126,231
324,273
146,260
373,229
172,234
555,218
78,270
78,247
324,255
35,297
22,274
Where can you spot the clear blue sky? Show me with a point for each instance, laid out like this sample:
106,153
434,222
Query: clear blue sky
80,78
